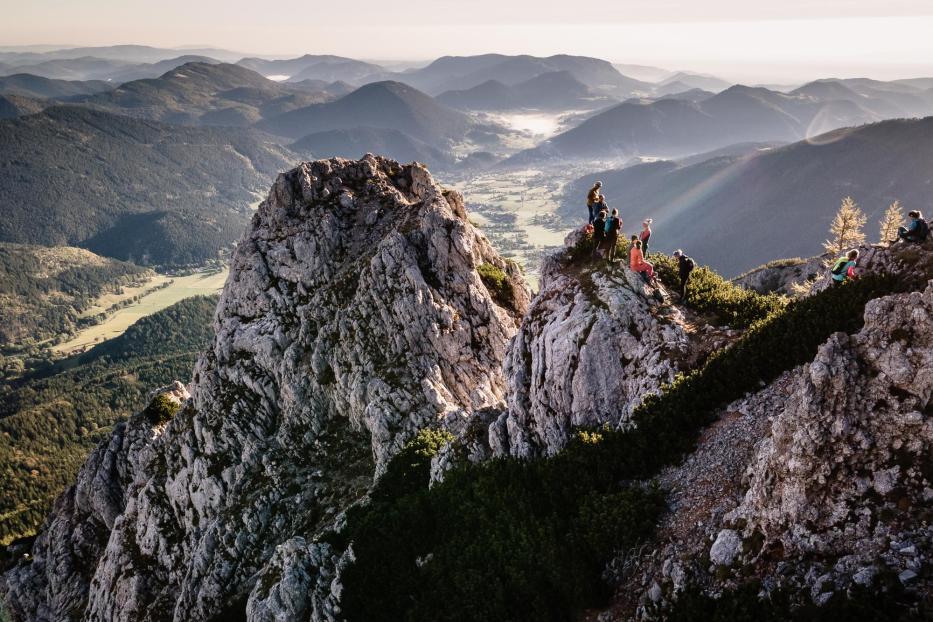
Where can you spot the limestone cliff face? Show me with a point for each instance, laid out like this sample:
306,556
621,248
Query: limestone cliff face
595,341
817,483
353,317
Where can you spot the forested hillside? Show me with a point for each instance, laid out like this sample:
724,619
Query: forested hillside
130,189
51,419
44,290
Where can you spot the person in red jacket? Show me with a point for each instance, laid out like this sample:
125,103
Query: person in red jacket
638,264
645,235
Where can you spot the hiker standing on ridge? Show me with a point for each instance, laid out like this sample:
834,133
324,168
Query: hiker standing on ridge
645,235
844,268
593,199
599,232
612,228
685,266
638,264
917,231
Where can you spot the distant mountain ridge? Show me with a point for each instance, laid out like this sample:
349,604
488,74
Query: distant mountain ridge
557,90
391,105
671,127
204,94
28,85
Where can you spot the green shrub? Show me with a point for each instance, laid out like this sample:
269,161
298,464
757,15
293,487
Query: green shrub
710,293
161,409
744,605
527,540
498,283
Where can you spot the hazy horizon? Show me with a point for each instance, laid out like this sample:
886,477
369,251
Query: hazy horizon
790,41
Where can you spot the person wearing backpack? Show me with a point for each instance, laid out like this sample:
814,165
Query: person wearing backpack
917,231
594,200
645,235
612,228
599,232
844,268
685,266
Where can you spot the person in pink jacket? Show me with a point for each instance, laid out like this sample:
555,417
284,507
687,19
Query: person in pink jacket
637,262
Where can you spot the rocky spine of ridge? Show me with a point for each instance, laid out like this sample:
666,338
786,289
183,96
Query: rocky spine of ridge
353,317
819,483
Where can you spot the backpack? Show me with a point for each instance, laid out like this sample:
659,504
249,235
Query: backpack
923,230
840,266
612,225
687,265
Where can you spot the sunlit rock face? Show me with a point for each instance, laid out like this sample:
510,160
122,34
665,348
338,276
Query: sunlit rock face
353,316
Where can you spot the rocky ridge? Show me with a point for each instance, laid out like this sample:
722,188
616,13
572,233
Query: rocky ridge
818,483
353,317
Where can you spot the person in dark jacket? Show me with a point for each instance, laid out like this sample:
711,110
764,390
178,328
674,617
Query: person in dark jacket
685,266
918,229
595,201
599,232
613,227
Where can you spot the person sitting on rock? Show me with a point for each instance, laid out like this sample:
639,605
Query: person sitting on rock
612,228
917,231
594,200
599,232
685,266
844,268
638,264
645,235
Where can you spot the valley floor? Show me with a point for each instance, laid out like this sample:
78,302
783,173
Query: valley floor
160,292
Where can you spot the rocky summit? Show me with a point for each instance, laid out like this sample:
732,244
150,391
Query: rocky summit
362,308
353,316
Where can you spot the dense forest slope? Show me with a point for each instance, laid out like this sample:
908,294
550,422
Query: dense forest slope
54,416
130,189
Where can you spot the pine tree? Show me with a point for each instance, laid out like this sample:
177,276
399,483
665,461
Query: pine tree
846,228
892,219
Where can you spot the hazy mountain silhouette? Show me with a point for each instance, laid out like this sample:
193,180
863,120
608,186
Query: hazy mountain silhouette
204,94
556,90
671,127
155,70
28,85
695,81
390,105
464,72
316,67
735,212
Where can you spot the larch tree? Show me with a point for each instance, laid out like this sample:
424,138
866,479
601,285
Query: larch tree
846,228
892,219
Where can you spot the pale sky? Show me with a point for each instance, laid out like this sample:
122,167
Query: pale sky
763,40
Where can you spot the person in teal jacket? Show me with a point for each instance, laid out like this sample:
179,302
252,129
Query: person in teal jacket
844,268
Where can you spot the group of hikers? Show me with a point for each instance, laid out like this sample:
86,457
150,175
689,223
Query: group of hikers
917,232
607,226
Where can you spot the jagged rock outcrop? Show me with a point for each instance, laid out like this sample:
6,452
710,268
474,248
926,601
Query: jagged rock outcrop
353,317
820,481
594,342
780,276
54,584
